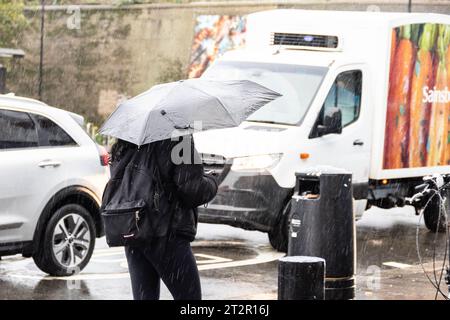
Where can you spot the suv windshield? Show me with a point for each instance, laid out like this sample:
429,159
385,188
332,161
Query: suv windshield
297,84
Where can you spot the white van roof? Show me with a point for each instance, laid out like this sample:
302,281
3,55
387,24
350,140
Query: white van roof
338,29
355,36
343,18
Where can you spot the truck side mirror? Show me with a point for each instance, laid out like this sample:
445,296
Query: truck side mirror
332,122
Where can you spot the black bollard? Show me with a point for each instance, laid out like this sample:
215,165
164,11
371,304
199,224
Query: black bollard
322,225
301,278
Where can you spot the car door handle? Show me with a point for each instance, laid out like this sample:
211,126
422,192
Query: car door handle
49,163
358,142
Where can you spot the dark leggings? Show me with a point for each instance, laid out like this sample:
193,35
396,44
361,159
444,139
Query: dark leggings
170,260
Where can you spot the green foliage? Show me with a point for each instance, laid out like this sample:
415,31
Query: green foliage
12,22
172,70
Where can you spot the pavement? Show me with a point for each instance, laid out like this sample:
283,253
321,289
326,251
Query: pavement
240,264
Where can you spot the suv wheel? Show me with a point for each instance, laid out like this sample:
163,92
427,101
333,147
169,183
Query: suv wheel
68,241
278,236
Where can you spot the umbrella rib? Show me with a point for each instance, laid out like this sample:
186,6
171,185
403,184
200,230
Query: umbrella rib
117,108
142,138
102,127
218,99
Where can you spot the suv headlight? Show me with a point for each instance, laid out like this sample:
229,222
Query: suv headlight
256,163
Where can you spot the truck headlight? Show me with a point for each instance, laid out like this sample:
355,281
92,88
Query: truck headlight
256,163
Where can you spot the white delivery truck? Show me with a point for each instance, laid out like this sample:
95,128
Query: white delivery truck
364,91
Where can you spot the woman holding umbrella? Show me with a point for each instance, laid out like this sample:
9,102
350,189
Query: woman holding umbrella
170,258
147,126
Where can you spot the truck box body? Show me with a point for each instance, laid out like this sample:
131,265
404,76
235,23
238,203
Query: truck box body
363,37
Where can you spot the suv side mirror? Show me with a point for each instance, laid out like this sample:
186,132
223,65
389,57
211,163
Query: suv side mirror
332,122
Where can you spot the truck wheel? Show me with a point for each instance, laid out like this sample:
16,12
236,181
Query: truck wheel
68,241
278,236
431,217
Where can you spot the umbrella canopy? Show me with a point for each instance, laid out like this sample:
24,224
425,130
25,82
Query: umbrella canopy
172,109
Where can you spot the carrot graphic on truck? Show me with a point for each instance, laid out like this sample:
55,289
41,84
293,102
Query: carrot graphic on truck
443,82
393,48
419,109
447,68
396,144
438,137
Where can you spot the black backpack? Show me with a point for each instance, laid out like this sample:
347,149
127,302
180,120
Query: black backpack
135,207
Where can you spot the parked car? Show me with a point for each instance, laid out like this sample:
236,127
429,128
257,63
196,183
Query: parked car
52,175
346,103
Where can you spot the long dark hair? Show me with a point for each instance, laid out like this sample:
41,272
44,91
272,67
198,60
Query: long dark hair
118,148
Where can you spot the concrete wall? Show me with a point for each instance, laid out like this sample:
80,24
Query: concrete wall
95,55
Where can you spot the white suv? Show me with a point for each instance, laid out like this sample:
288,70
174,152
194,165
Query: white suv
52,175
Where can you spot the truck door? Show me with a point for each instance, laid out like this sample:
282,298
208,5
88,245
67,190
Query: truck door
349,149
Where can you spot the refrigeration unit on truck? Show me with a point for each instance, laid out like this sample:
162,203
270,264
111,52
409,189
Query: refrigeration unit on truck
363,91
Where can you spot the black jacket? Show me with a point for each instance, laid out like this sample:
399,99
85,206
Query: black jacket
186,184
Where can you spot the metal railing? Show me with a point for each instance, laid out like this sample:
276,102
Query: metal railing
435,187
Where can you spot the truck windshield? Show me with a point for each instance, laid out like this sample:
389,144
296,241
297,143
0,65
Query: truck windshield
298,85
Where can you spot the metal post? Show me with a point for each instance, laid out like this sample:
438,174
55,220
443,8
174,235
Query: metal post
301,278
447,279
2,79
41,57
409,5
322,225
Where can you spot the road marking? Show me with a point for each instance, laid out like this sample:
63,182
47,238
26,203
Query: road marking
207,258
82,276
109,250
398,265
210,259
120,260
107,254
262,257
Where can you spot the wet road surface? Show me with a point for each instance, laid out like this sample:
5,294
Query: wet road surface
239,264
